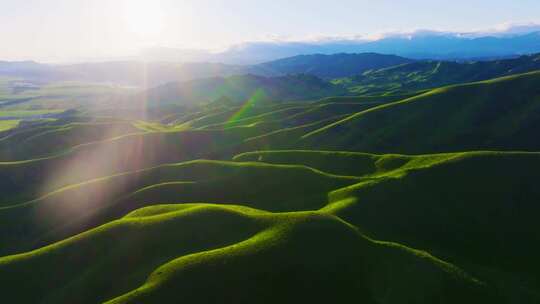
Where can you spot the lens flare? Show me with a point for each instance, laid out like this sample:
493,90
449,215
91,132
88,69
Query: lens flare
257,96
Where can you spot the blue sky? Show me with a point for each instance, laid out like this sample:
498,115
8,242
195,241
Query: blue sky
59,30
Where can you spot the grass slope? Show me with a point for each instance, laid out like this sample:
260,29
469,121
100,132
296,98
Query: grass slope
41,141
6,125
242,88
211,254
112,207
474,211
431,74
333,66
92,203
24,180
76,149
501,114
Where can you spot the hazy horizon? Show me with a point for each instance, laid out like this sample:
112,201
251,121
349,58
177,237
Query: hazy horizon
76,30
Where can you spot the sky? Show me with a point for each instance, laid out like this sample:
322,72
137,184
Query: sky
64,30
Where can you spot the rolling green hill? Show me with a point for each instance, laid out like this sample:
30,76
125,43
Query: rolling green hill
334,242
242,88
421,75
238,254
333,66
474,209
40,141
382,199
501,114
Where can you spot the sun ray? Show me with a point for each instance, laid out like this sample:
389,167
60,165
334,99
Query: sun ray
144,17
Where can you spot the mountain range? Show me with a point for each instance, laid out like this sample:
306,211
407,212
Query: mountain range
149,74
421,75
416,45
333,66
406,77
242,88
273,58
304,77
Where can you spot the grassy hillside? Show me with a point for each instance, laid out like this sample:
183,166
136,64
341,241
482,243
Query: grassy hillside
8,124
473,209
333,66
431,74
19,94
43,219
333,245
501,114
41,141
243,88
238,254
234,202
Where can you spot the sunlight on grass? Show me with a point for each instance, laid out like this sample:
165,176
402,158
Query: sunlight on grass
8,124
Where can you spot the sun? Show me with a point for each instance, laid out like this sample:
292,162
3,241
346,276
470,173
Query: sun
144,17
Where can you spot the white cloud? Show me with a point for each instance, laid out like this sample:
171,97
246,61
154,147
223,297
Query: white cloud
517,28
504,29
507,29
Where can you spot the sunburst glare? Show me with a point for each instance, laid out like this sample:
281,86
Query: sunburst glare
144,17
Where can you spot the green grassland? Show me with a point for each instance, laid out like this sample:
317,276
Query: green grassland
455,118
209,253
58,95
26,113
333,242
423,75
11,119
427,197
6,125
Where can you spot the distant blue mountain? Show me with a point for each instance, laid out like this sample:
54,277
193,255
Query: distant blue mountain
348,58
417,46
158,73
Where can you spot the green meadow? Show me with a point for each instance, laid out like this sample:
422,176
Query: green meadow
426,195
8,124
